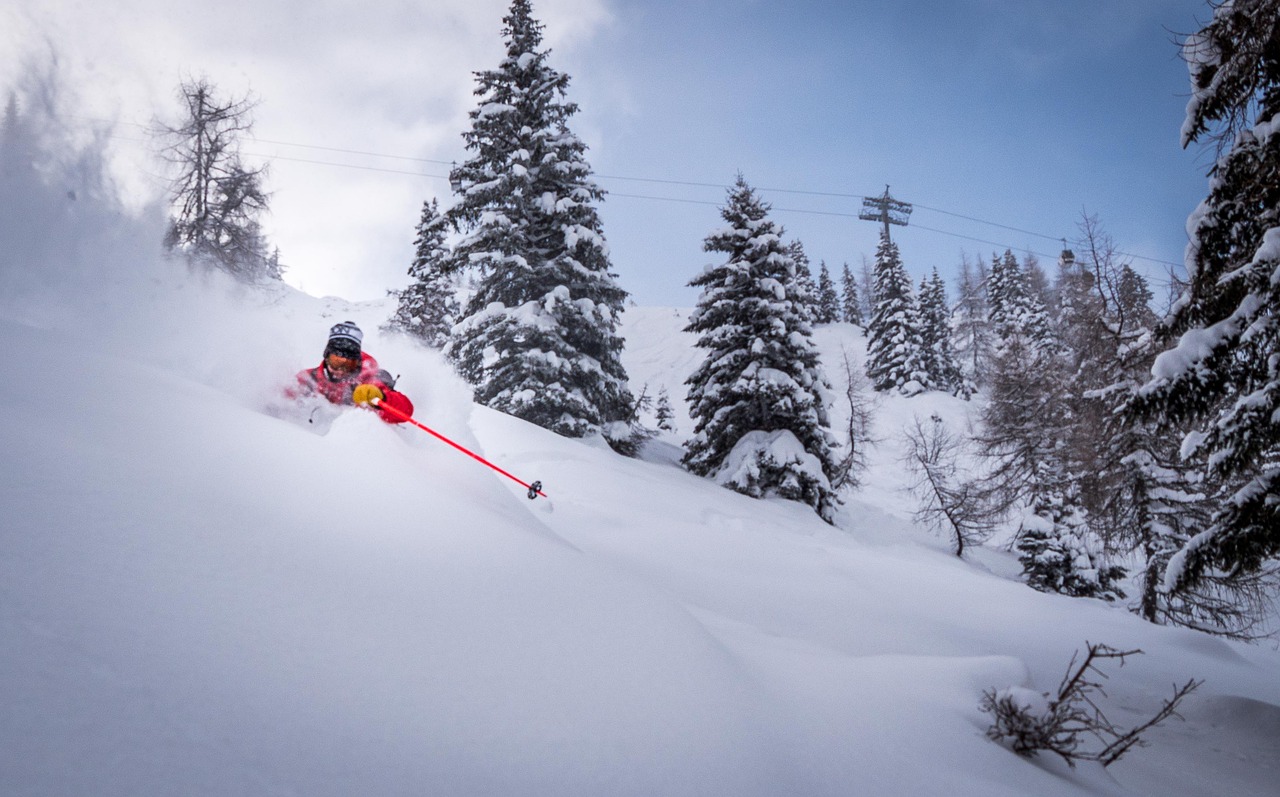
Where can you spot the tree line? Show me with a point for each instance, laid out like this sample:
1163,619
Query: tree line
1120,442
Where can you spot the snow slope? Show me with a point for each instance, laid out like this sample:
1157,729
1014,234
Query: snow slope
198,597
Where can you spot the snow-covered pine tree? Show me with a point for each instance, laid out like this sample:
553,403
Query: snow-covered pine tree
1169,510
828,303
972,338
1165,502
1220,379
1023,423
427,309
850,302
807,289
1026,379
761,425
1157,502
935,339
1134,297
664,413
894,357
1060,553
538,339
931,311
1013,309
1038,286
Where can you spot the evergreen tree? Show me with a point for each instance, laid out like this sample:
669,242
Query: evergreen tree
1220,379
538,339
1146,496
217,199
935,339
806,289
1038,286
894,357
761,425
932,315
1155,499
1024,423
1134,297
1013,309
828,304
664,413
850,302
972,335
1060,553
427,308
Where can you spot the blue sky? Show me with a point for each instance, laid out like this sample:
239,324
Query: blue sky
1021,114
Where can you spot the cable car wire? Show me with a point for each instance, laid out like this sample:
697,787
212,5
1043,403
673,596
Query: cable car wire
662,181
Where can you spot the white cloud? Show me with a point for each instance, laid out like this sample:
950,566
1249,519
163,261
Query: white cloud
390,77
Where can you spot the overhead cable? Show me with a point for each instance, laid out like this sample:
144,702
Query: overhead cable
687,183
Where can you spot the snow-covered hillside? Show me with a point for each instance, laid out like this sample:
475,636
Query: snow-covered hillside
198,597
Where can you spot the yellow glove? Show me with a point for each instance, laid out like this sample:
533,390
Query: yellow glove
363,394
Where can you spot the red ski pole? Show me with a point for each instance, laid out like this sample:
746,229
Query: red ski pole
534,489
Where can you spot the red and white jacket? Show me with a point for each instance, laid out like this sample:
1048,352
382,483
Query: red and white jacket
316,381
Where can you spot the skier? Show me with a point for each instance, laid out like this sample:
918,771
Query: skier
349,376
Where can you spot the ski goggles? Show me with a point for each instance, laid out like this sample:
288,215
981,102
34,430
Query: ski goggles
341,364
